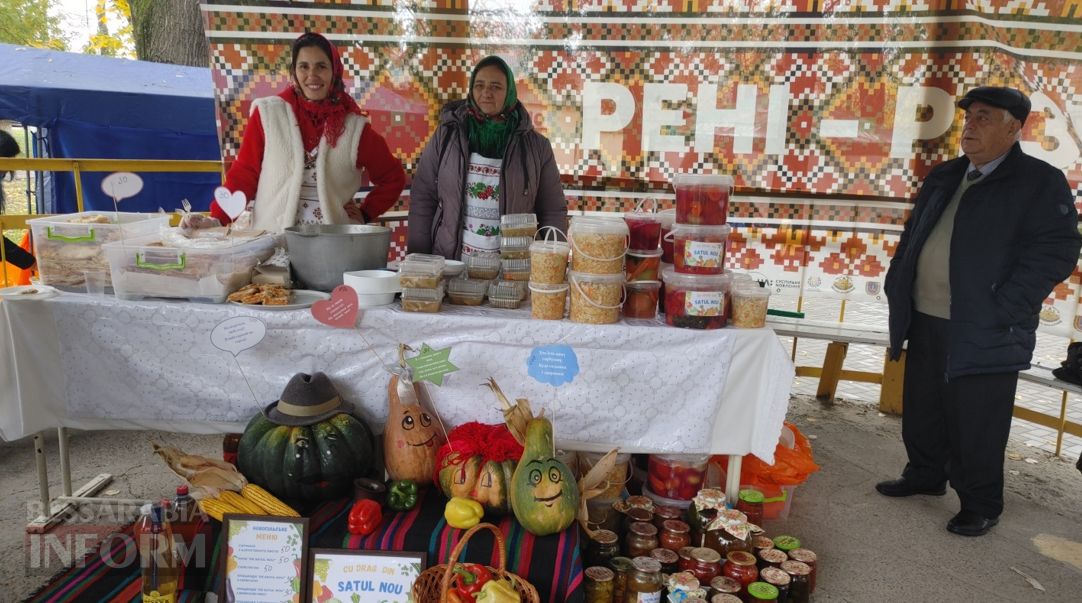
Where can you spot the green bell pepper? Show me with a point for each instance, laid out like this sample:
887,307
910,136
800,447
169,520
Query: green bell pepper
402,495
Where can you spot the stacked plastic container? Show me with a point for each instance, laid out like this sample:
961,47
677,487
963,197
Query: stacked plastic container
548,276
421,277
643,264
596,279
697,284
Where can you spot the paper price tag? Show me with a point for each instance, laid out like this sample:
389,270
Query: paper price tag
553,364
229,202
122,185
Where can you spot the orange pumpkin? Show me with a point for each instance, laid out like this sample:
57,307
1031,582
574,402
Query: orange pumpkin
412,435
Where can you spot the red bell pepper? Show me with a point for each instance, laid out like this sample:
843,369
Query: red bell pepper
364,517
469,578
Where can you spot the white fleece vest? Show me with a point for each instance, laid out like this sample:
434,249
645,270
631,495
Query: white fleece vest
279,189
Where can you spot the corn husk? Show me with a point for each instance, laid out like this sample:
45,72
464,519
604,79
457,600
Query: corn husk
592,485
206,476
517,415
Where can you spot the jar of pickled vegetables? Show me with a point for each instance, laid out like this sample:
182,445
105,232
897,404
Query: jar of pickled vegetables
699,249
643,581
620,566
641,539
695,301
677,476
707,564
599,584
644,230
740,566
750,503
603,545
702,198
598,245
641,299
674,535
750,306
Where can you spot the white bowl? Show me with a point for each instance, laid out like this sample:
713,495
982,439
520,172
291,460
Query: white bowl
369,282
453,268
375,299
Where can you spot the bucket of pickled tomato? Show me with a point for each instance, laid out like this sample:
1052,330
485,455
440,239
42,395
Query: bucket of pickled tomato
644,230
702,199
695,301
699,249
677,476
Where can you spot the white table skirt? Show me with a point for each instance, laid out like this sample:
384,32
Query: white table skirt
76,361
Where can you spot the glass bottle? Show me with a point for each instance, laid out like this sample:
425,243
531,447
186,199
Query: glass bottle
761,592
778,579
686,562
599,584
643,581
159,566
603,545
740,566
674,535
771,557
726,585
669,560
729,532
230,444
641,539
707,564
663,514
750,503
799,581
620,566
807,557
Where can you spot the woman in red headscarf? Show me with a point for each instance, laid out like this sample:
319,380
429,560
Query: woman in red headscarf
304,150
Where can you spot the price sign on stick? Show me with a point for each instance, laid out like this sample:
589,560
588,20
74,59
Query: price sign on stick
553,364
340,310
234,335
229,202
431,365
122,185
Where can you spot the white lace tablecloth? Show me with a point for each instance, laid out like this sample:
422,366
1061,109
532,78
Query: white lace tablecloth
81,362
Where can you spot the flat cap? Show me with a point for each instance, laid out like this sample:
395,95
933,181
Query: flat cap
1013,101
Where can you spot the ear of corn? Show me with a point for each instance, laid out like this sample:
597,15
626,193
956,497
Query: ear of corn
267,501
216,508
240,502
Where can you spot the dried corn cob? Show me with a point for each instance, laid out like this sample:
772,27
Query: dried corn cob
217,508
240,502
267,501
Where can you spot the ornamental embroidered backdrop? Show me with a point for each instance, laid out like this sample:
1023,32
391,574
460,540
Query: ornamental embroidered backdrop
827,114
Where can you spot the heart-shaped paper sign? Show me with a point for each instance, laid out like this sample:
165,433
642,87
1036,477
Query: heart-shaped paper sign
340,310
229,202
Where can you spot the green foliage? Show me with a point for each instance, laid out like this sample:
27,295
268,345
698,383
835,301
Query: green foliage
29,23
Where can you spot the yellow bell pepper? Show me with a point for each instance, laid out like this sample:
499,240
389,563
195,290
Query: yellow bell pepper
463,513
499,591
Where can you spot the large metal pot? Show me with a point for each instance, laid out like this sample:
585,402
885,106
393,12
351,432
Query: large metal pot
320,253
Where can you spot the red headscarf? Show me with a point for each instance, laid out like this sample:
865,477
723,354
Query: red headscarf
329,114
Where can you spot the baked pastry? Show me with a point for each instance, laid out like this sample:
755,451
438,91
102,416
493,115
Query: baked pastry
266,295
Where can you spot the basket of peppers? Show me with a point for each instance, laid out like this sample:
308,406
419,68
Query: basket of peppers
472,582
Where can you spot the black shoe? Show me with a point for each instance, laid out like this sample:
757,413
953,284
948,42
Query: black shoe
897,488
968,523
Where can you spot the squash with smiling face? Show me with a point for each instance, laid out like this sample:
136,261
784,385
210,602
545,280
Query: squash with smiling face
544,494
412,436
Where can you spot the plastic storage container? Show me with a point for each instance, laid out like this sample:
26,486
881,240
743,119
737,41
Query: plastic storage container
515,270
597,245
677,476
661,501
644,230
68,245
641,299
422,299
515,248
617,477
141,268
483,266
421,271
518,225
596,298
642,265
702,199
548,261
506,294
548,302
466,292
749,306
694,301
699,249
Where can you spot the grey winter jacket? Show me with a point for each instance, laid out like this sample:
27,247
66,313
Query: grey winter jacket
1015,238
529,183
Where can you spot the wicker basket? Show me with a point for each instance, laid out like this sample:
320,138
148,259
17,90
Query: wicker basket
431,586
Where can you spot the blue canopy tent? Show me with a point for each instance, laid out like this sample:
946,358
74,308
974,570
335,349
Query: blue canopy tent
93,107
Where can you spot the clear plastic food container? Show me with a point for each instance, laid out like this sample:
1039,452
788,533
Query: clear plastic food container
422,299
641,299
548,259
668,218
483,265
68,245
515,248
421,271
141,267
677,476
466,292
547,301
749,306
642,265
617,477
644,230
596,298
699,249
695,301
518,225
506,294
597,244
515,270
702,199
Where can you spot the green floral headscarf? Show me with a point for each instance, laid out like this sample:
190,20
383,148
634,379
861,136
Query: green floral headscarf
489,135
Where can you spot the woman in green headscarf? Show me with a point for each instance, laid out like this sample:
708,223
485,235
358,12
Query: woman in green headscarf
484,161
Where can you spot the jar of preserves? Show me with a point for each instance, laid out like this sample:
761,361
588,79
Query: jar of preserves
698,523
633,514
663,514
640,502
726,585
686,562
740,566
729,532
640,540
674,535
620,566
603,545
670,561
809,558
771,557
683,581
725,598
799,581
777,578
760,542
750,503
761,592
599,584
710,501
707,564
643,581
786,543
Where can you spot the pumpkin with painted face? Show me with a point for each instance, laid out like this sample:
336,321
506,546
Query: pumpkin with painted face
544,496
477,463
412,435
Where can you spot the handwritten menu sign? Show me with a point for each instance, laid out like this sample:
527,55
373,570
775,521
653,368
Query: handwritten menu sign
352,576
264,560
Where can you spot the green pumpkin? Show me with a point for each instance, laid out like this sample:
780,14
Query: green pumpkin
544,494
487,482
310,463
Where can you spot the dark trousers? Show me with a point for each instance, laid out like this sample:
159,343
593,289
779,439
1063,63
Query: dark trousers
954,430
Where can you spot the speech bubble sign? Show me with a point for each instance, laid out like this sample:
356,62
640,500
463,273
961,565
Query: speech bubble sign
234,335
229,202
340,310
553,364
121,185
431,365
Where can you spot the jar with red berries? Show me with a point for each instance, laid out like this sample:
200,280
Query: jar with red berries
674,535
740,566
707,564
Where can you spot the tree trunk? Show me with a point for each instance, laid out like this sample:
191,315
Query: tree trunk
170,31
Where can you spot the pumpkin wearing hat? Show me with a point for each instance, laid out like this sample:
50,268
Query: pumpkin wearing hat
307,446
